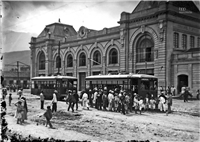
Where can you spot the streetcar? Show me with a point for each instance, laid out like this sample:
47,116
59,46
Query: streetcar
48,84
136,83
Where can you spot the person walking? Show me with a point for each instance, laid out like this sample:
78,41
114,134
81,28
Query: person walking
54,101
71,100
48,116
42,99
186,94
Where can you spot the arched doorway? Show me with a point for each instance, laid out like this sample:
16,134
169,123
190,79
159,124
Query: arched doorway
182,81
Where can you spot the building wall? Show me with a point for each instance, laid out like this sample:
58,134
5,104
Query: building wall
159,22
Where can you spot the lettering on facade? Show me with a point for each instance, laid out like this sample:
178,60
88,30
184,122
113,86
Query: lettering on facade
184,10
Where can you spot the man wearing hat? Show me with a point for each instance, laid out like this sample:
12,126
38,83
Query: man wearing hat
54,101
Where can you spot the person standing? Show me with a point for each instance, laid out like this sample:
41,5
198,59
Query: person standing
169,103
95,97
198,93
104,99
10,99
173,90
19,111
85,100
25,109
42,100
54,101
4,92
19,93
76,100
110,100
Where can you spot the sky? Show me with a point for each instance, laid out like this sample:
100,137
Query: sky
29,17
33,16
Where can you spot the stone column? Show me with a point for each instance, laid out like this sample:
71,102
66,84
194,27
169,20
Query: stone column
190,75
175,78
75,68
104,65
89,67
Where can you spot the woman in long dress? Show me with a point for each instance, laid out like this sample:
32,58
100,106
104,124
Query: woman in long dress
25,109
19,111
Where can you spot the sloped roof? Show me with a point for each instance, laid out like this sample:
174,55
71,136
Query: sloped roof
144,5
189,5
58,29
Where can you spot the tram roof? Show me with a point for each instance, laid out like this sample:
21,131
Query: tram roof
53,77
120,76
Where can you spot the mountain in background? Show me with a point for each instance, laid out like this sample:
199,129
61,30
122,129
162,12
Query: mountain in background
16,41
11,58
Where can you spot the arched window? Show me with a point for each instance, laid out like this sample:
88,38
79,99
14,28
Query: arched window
82,59
42,61
145,49
96,58
113,56
58,62
69,61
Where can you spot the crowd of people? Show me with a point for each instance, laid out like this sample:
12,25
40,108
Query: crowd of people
124,101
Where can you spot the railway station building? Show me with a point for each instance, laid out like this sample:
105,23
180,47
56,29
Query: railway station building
160,38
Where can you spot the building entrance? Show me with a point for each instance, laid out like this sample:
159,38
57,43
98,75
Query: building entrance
82,76
182,81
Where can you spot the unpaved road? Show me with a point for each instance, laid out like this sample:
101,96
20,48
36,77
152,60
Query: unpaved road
181,125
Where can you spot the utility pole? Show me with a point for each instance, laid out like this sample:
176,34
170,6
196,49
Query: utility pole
18,74
59,58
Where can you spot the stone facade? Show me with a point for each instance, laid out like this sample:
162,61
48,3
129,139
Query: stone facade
144,42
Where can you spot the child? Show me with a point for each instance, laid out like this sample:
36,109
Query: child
48,116
19,111
10,99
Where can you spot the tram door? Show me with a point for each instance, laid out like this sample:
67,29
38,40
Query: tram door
82,76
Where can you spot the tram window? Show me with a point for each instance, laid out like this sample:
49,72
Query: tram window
125,84
104,82
109,82
151,85
32,84
144,85
119,82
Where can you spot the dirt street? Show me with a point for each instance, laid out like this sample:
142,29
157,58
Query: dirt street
181,125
